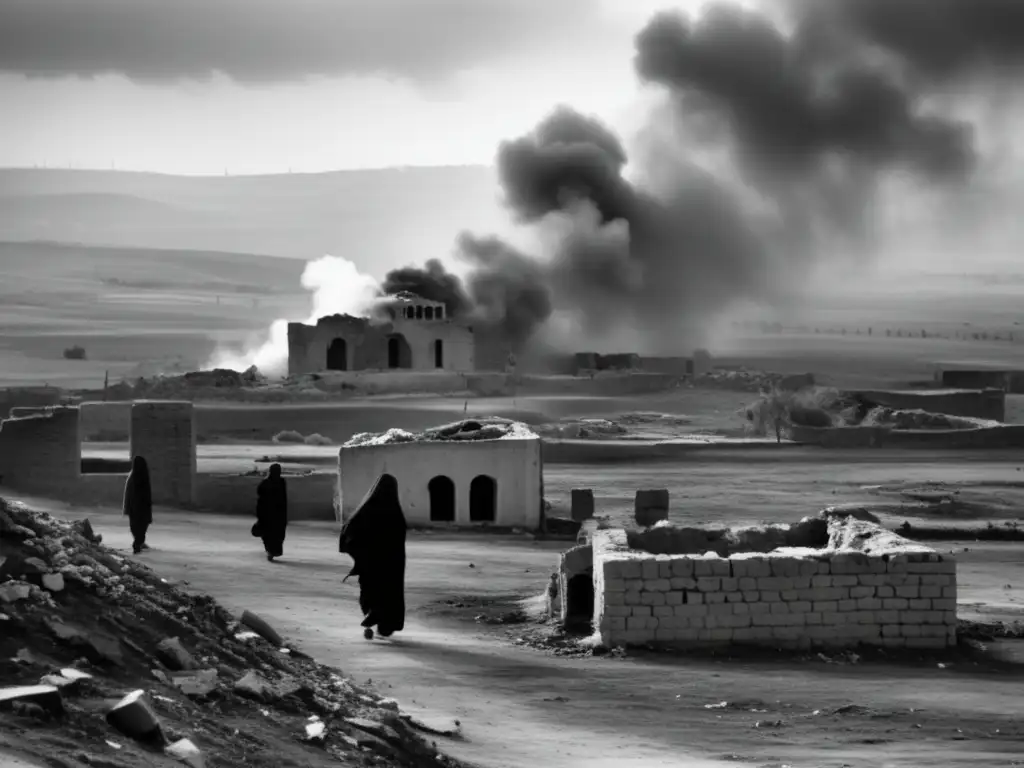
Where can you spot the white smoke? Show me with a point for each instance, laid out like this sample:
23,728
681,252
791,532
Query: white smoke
338,287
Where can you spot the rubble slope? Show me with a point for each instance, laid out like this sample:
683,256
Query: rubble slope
82,627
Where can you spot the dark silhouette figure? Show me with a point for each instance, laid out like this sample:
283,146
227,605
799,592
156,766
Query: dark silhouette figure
374,538
272,512
138,503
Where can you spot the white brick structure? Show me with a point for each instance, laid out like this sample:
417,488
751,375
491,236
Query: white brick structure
864,586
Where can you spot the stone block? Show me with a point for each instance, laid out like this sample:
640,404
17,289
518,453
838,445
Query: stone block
673,598
734,597
758,608
695,598
709,584
751,596
634,623
682,566
895,604
825,606
649,569
641,611
652,598
812,618
662,611
582,500
632,569
658,585
651,506
730,584
926,643
712,598
779,607
821,581
748,584
682,582
790,595
770,597
845,606
664,569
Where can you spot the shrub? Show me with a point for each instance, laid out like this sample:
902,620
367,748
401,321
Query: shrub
74,353
317,439
289,436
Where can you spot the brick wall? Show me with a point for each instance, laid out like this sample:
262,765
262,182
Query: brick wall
905,597
40,452
164,433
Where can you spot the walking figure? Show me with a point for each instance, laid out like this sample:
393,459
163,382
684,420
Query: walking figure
374,538
138,503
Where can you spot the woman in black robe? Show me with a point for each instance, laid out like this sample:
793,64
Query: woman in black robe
374,538
272,512
138,503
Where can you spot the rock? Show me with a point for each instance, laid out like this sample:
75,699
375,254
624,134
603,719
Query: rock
262,628
134,717
173,654
201,682
187,752
46,697
67,680
316,731
98,647
13,591
438,726
84,529
33,566
253,685
54,582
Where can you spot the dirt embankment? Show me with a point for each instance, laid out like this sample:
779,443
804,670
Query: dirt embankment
82,629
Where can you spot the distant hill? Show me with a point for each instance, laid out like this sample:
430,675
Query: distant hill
377,218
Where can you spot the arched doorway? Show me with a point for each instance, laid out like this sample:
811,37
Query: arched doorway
438,353
442,499
399,353
579,602
337,355
483,499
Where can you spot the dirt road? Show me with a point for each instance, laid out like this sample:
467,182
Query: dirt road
521,707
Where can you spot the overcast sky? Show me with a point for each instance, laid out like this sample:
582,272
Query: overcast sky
252,86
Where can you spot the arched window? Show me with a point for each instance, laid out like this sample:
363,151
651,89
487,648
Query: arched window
399,353
438,353
419,313
410,312
483,499
439,313
442,499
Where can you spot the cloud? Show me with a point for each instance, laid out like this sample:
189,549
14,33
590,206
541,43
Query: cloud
261,41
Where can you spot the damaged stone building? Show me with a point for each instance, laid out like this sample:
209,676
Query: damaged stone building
412,334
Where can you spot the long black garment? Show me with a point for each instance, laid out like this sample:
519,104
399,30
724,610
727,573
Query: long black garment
374,537
272,511
138,503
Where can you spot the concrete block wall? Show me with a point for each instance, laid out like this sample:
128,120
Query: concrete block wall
40,451
796,599
164,433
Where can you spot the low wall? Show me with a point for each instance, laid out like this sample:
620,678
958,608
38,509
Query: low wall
972,403
990,438
17,397
310,497
105,421
515,465
867,586
40,452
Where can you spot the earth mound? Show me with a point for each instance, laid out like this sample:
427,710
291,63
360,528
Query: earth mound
105,663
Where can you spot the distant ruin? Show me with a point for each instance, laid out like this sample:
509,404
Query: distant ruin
417,335
830,581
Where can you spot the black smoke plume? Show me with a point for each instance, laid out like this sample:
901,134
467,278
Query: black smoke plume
433,282
779,137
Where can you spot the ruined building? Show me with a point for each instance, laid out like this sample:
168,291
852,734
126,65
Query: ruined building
413,333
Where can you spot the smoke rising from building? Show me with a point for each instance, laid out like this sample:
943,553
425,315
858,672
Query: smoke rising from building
337,287
774,149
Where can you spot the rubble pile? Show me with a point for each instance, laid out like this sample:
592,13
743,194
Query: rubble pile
488,428
102,662
737,379
920,419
